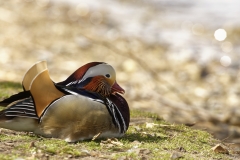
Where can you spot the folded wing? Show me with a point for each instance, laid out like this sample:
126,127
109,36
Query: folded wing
41,87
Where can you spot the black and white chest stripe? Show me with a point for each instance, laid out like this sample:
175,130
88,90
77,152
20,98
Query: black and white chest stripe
116,115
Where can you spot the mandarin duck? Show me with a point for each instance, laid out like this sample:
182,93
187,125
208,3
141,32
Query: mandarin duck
86,105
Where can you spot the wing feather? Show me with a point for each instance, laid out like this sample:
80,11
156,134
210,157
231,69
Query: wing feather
24,108
41,87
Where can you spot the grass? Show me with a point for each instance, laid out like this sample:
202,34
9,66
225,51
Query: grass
8,88
148,137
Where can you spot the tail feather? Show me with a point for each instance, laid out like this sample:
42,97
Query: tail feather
15,97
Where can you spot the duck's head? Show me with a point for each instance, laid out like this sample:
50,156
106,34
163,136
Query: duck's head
96,77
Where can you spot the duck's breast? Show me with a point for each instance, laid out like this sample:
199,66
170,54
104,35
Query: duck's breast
75,117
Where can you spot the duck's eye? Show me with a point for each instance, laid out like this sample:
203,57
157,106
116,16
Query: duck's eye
107,75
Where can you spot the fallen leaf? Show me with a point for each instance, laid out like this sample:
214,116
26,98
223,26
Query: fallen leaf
117,143
150,125
166,125
144,157
96,136
111,143
148,134
85,152
219,148
9,143
136,144
137,128
176,155
144,151
32,144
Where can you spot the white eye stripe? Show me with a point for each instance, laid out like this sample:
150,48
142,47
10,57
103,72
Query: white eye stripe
101,69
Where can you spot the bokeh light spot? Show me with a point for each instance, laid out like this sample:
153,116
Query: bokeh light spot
129,65
225,61
220,34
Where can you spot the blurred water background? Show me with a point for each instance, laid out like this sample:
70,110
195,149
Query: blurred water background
187,27
179,59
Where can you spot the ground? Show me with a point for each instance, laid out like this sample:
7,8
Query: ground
148,137
176,88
